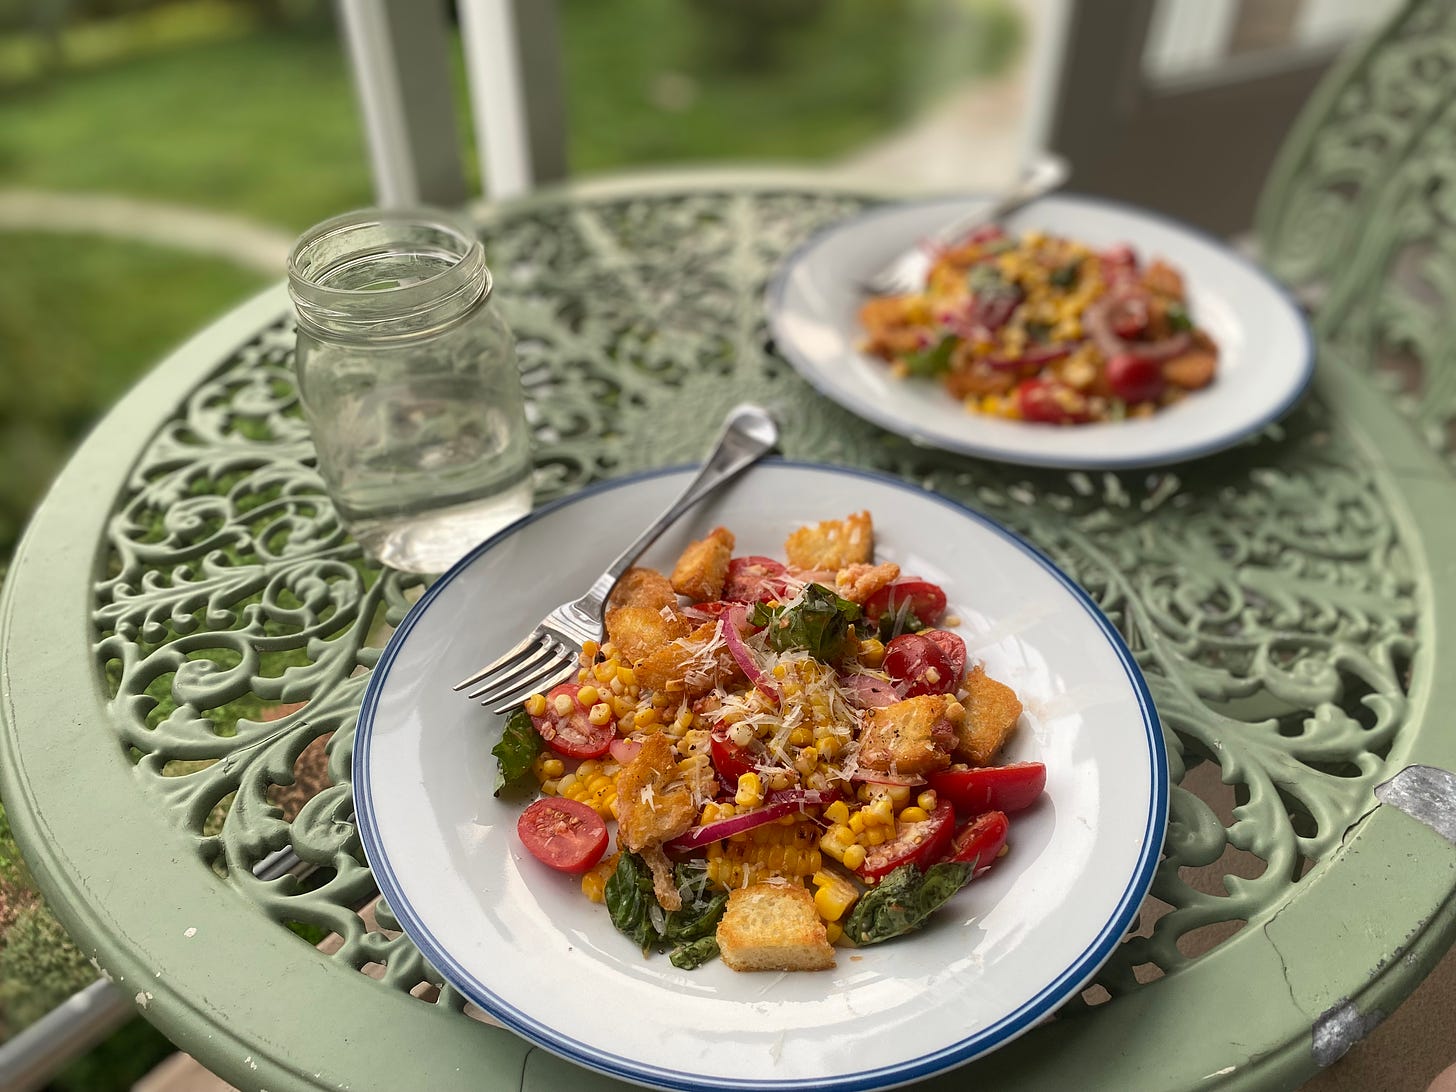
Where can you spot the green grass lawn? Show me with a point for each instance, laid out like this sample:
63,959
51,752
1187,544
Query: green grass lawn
80,319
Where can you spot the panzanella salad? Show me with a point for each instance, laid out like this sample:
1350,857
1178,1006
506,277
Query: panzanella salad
1041,328
794,755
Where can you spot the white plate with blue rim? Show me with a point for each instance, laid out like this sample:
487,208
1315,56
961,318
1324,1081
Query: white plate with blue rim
524,944
1266,354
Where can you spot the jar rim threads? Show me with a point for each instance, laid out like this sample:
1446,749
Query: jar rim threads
387,274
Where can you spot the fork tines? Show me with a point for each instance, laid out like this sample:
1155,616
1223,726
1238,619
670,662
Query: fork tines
533,666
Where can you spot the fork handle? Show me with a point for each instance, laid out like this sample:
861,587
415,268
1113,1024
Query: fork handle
748,433
1044,174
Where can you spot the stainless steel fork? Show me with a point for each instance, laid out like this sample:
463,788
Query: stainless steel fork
906,272
549,654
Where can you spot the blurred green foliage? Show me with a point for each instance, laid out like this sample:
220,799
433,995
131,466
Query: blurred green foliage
73,342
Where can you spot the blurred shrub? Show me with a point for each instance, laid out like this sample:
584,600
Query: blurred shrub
750,35
39,967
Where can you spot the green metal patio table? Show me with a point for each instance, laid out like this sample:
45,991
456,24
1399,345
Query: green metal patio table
1286,599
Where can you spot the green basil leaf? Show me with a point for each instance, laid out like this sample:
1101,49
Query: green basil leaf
818,622
903,900
688,957
1066,276
900,619
1178,318
985,280
628,896
632,904
519,744
932,361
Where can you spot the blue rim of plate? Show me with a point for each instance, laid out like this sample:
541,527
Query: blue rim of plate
985,1040
871,411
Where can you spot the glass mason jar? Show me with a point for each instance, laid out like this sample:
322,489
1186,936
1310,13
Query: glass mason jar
408,379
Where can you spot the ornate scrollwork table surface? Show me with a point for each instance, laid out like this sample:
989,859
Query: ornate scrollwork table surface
186,579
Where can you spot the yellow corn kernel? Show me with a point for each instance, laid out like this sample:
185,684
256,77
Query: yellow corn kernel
750,790
853,857
834,896
741,734
927,800
563,704
913,814
837,812
588,696
881,811
583,676
536,705
806,761
801,736
871,652
829,746
647,716
774,849
589,650
778,781
780,671
899,794
684,719
593,784
549,787
874,836
622,706
857,822
600,713
711,814
603,671
594,880
833,931
626,676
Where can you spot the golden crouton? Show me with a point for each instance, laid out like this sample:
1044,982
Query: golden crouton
639,631
858,582
914,736
643,588
833,544
653,804
992,709
703,566
689,667
773,927
664,882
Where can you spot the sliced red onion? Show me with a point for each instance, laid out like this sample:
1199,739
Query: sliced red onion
1098,321
1037,355
625,750
880,777
868,691
736,620
778,805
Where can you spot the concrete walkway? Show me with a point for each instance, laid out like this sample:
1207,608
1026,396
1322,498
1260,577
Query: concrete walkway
179,227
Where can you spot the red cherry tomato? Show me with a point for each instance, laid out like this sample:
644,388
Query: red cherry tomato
563,834
927,600
572,733
921,844
918,664
753,580
1129,317
990,788
954,651
1134,378
981,840
730,760
1050,403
